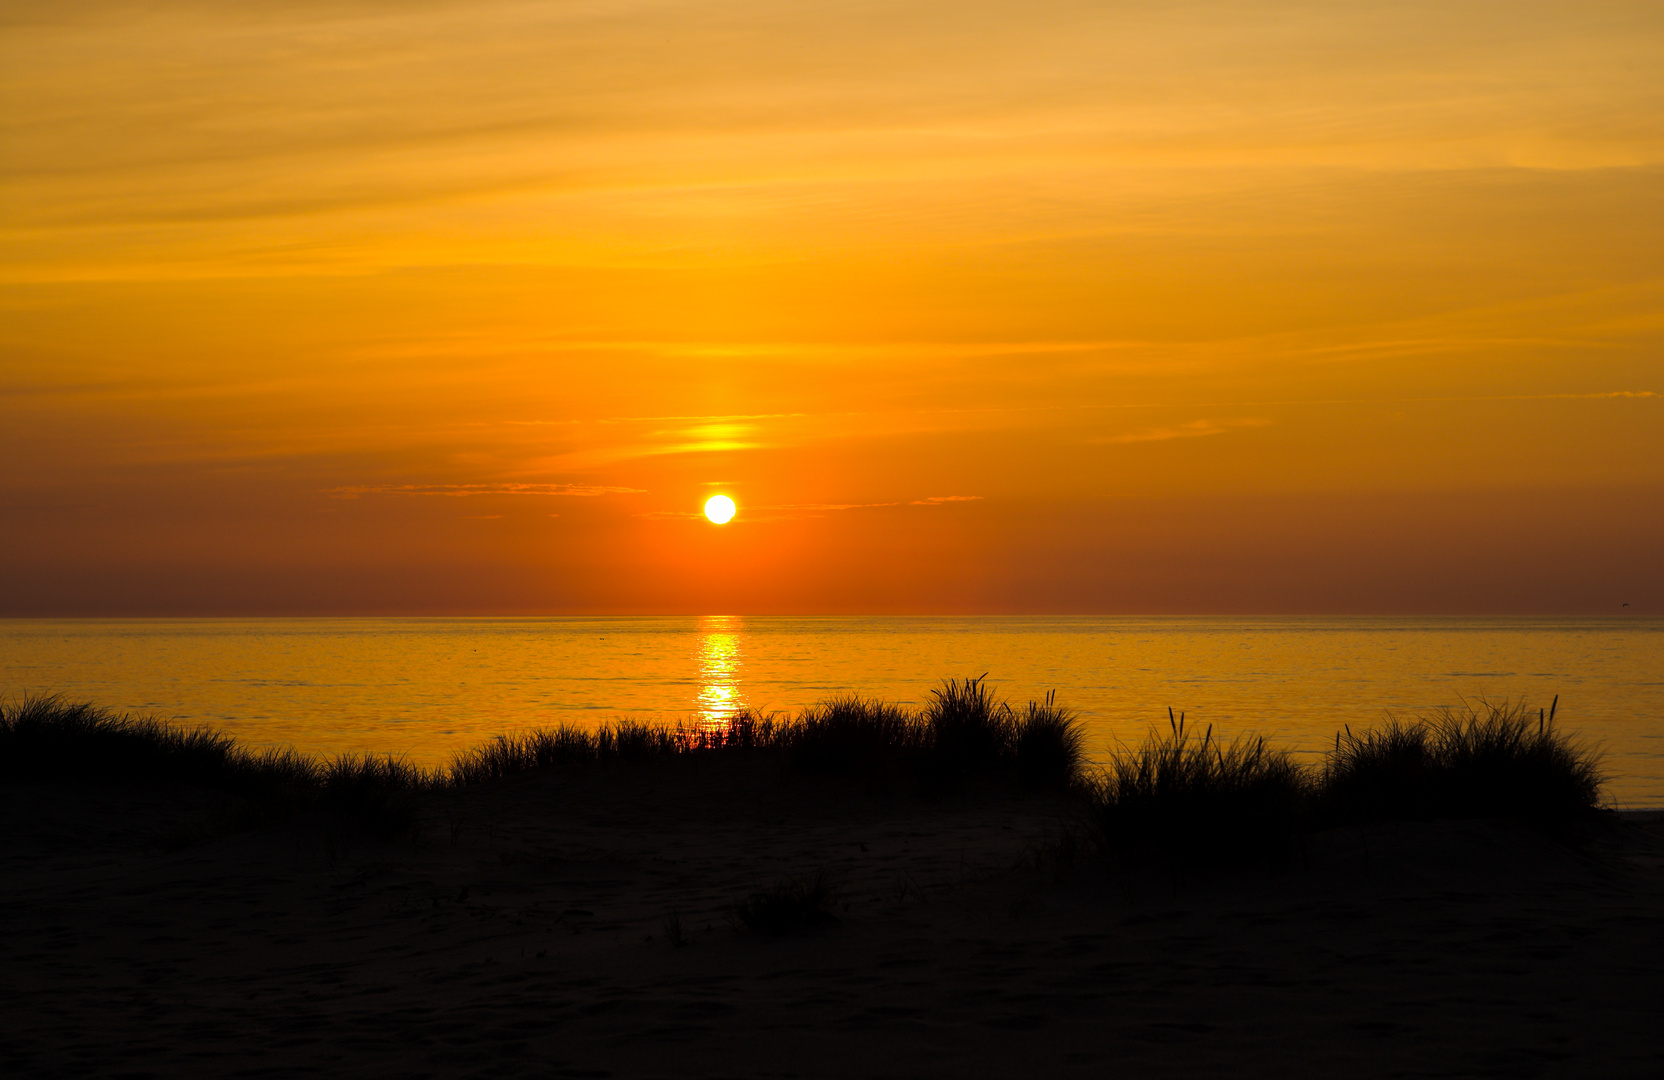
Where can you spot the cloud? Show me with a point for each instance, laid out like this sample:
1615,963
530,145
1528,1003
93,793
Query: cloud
464,490
1194,429
799,511
1601,395
713,435
612,455
702,419
1606,394
778,511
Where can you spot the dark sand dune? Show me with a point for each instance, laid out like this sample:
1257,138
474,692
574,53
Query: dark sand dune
524,934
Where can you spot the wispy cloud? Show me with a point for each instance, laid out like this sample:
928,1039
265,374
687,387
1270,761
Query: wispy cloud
821,507
612,455
776,511
1602,395
799,511
1193,429
463,490
704,419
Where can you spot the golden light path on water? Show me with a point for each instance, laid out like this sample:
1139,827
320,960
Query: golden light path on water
720,696
425,688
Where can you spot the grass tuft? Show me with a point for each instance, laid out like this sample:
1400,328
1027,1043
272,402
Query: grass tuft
1179,799
970,730
379,790
506,755
1489,760
848,735
630,740
745,730
789,906
1050,745
47,738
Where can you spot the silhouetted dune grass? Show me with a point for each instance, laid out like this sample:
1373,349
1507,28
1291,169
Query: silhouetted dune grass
506,755
969,729
1470,761
965,730
47,738
1049,746
1179,798
848,735
379,790
1183,800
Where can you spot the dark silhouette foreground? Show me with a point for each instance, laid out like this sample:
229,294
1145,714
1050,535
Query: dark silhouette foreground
717,915
1178,798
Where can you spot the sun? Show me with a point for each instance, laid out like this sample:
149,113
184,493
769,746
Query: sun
720,509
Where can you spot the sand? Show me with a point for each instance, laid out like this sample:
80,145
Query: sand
523,934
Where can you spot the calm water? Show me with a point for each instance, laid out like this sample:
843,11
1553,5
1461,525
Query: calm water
424,687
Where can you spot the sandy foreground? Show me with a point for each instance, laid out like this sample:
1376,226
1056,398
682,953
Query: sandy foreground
523,934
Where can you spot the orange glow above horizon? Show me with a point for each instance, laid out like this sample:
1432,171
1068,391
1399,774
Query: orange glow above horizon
1058,306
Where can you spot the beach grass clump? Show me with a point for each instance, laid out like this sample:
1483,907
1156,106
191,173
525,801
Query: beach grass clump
50,739
747,729
1385,773
850,735
380,791
1049,746
47,738
1484,760
789,906
1181,800
970,730
507,755
964,730
624,741
631,740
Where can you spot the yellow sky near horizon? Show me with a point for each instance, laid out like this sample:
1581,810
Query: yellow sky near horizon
972,306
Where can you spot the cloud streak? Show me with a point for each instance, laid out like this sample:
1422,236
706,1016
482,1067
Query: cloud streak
1194,429
466,490
799,511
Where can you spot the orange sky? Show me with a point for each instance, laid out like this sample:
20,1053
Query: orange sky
414,307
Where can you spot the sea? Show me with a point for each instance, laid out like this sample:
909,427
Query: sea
423,688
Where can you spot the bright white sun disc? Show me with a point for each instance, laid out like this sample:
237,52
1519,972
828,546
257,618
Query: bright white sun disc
720,509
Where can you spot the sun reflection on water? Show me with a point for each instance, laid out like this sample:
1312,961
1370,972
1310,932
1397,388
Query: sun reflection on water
720,660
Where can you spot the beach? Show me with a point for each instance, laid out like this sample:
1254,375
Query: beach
530,928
